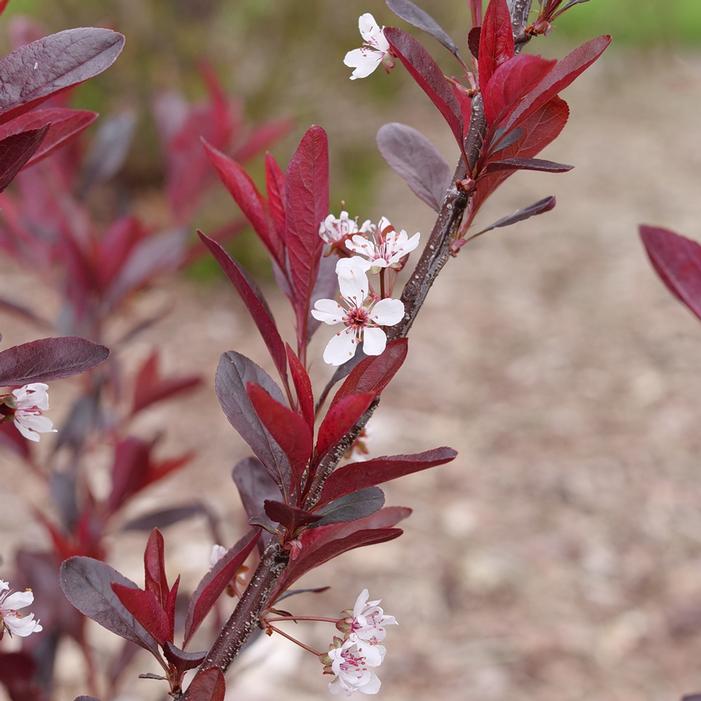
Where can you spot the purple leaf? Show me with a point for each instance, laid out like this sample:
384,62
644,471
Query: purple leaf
414,158
351,507
544,205
234,373
420,19
49,359
255,486
290,517
87,584
162,518
15,152
34,72
527,164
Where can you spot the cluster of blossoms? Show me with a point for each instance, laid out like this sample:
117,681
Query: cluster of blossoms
26,406
11,619
378,248
353,659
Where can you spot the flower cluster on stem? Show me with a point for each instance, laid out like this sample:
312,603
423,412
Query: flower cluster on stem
12,619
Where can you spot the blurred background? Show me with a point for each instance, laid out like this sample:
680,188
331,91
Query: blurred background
559,558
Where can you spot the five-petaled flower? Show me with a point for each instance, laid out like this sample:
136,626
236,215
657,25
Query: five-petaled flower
384,248
336,230
28,403
368,621
374,51
352,669
15,622
361,316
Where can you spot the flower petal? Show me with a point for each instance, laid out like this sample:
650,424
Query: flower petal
364,61
359,244
387,312
372,686
352,280
329,311
18,600
341,347
374,341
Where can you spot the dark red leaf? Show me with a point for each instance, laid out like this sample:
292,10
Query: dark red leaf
290,430
146,609
419,18
428,76
677,261
63,125
539,130
306,205
340,418
415,159
181,659
288,516
150,387
564,73
234,372
130,469
473,40
511,82
496,40
15,152
374,373
87,584
34,72
208,685
155,579
303,387
49,359
358,475
246,196
319,545
215,582
275,185
162,518
255,303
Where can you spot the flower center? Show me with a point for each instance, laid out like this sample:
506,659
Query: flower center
357,318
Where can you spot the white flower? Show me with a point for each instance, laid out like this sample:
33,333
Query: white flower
385,247
334,230
374,50
29,402
352,670
362,319
369,620
218,552
16,623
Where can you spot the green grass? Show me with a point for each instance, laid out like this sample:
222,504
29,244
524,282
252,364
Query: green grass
636,22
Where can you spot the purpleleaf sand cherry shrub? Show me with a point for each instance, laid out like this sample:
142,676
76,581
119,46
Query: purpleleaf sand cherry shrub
305,508
55,224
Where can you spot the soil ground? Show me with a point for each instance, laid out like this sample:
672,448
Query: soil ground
559,558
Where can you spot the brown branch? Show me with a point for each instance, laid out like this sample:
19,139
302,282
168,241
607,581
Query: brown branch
436,254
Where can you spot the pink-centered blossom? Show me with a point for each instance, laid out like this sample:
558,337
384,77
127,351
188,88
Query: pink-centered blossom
374,51
384,247
353,670
13,620
334,230
361,315
29,403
